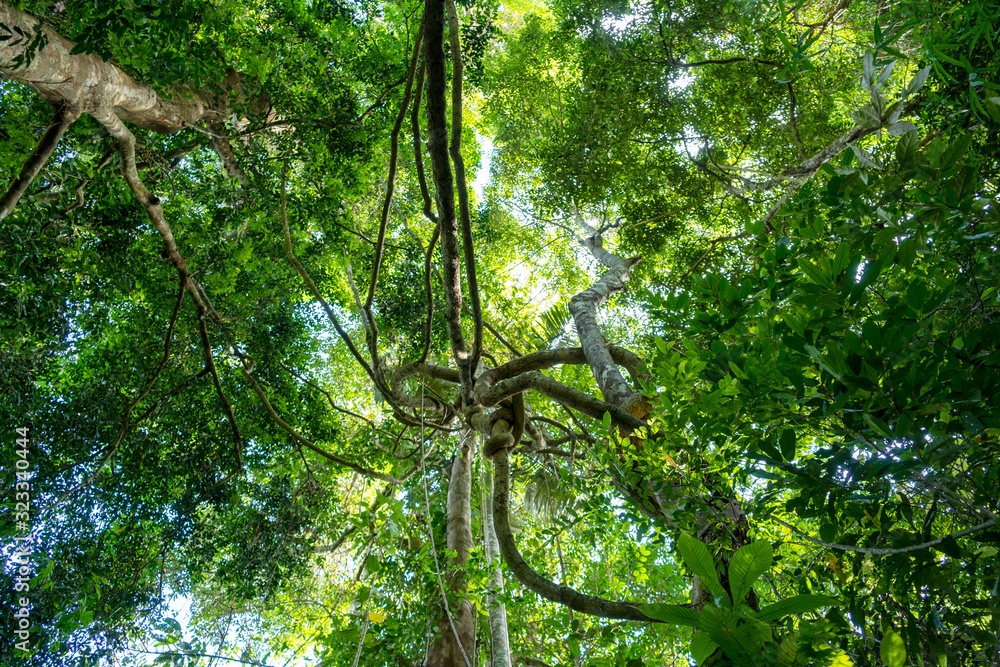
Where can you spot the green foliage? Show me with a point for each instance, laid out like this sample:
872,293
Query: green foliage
857,356
823,355
740,634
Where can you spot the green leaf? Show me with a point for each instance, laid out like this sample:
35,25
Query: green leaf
787,444
877,425
893,650
702,646
815,273
992,106
674,614
917,82
747,564
906,148
725,629
797,604
818,358
901,128
696,556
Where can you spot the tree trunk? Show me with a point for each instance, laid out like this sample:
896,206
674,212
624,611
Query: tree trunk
456,625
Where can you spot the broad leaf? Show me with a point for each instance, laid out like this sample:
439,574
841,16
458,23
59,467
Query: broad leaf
747,564
702,646
696,556
674,614
797,604
723,626
893,650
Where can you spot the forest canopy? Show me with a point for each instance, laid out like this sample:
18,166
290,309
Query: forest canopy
465,332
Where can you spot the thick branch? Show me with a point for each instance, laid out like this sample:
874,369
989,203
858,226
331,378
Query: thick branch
807,168
564,355
499,640
573,398
125,141
62,117
585,604
584,307
87,83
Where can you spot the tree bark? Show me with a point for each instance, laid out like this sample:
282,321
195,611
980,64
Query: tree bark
456,624
87,83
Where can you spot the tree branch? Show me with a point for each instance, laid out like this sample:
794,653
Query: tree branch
567,396
390,183
319,297
361,470
885,551
224,149
89,84
168,339
791,121
584,307
555,357
62,117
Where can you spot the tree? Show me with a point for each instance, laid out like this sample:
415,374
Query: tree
309,390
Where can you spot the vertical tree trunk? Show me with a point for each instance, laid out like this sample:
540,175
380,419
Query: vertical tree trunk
498,613
456,625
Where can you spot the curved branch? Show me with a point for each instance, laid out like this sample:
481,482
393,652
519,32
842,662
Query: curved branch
581,602
361,470
62,117
390,185
424,402
125,141
584,307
